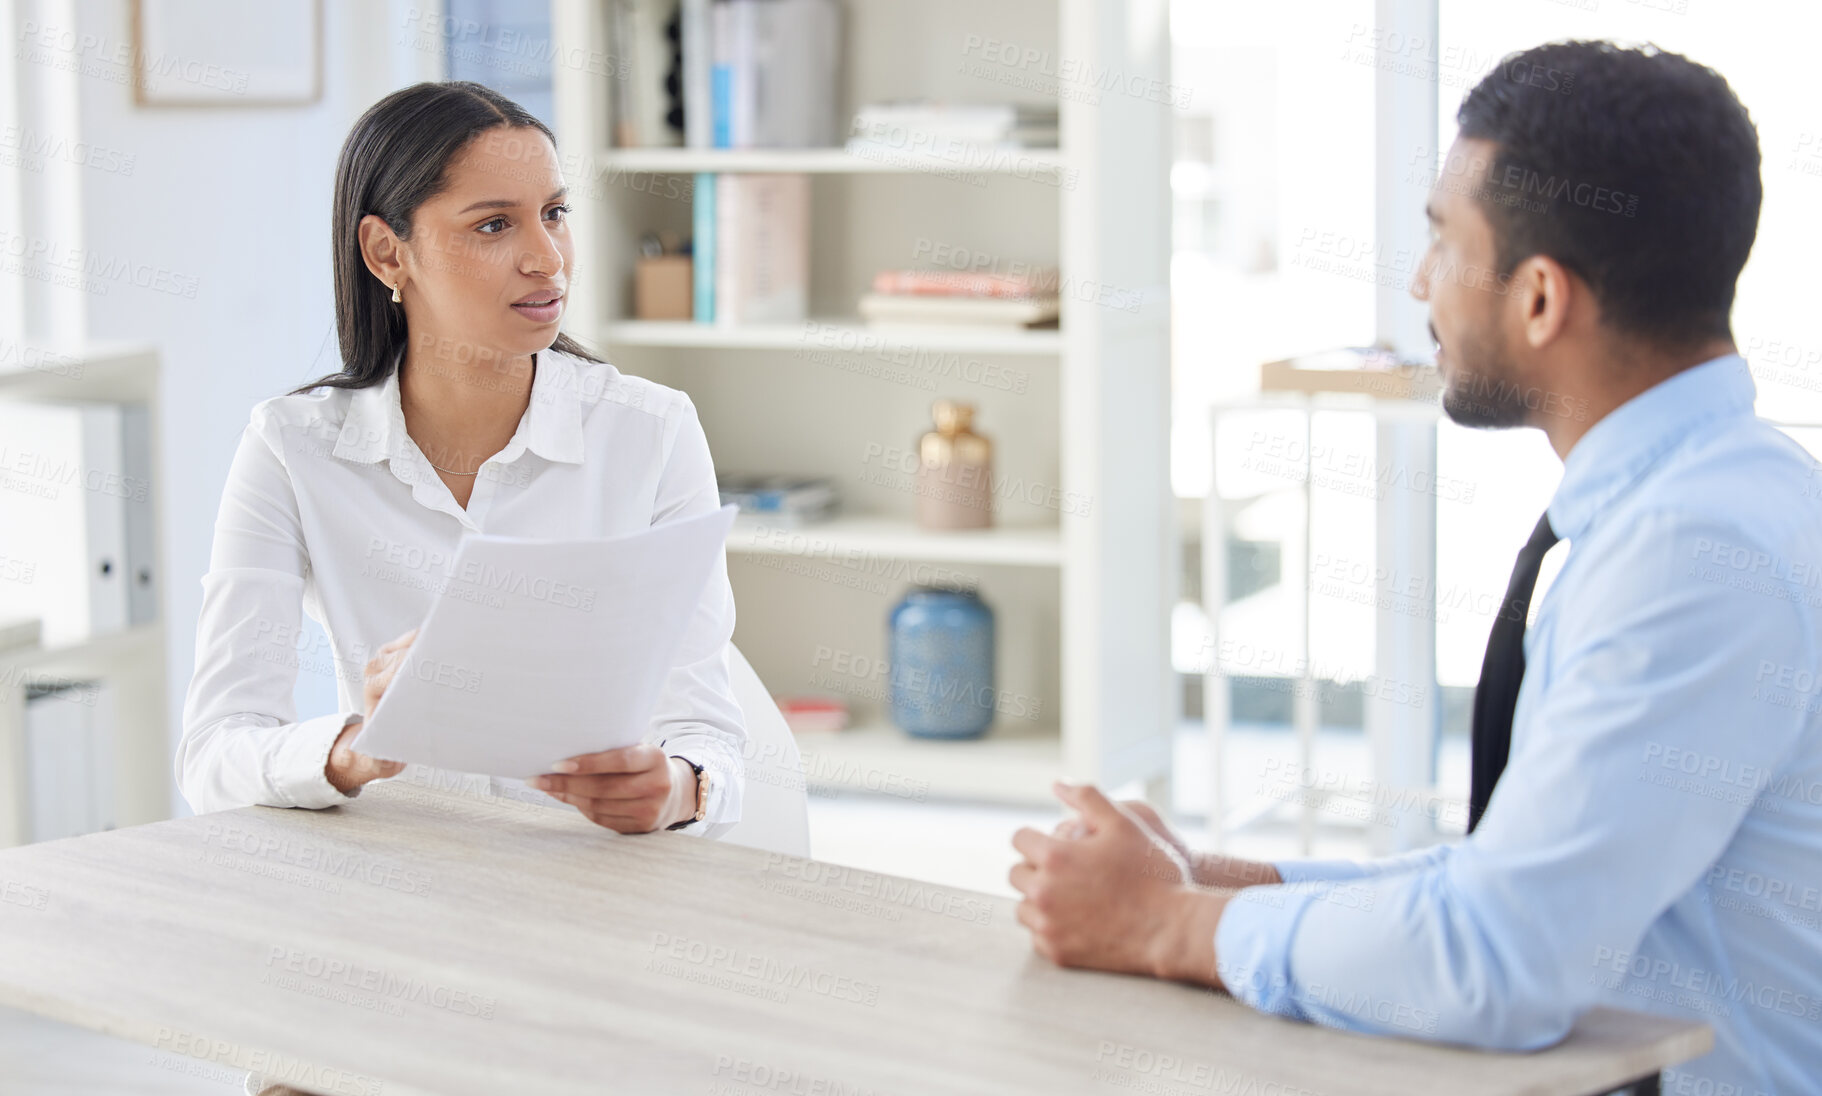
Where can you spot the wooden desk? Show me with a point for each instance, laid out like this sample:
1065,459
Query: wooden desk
423,941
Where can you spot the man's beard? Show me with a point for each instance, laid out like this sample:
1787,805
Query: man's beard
1482,391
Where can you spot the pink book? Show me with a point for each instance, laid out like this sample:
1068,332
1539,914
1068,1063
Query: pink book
1040,282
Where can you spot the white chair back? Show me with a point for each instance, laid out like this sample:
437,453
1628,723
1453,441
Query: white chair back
775,814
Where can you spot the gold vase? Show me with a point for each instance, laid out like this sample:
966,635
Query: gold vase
954,471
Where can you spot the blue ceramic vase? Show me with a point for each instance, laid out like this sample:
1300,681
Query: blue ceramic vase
941,652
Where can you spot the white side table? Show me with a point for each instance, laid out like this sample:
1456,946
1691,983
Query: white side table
1402,709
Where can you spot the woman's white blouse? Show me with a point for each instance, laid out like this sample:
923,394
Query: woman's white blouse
331,509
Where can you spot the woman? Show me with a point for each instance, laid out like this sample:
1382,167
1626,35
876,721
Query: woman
460,408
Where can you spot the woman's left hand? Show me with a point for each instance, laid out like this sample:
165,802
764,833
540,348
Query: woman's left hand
634,789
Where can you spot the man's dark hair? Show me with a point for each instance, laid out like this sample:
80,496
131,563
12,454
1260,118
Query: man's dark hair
1635,168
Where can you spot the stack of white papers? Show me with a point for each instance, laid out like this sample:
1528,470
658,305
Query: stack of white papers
539,650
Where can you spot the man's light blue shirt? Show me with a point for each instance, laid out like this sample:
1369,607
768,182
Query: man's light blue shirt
1656,840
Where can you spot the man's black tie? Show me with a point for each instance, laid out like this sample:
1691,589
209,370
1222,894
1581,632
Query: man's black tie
1501,670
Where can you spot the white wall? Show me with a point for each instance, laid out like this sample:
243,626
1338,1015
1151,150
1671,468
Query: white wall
237,199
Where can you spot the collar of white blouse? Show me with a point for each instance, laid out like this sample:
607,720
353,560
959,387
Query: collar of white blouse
552,427
374,430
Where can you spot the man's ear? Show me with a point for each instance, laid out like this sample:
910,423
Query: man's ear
1543,294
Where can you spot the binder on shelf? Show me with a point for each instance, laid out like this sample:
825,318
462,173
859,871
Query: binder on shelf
75,500
141,532
69,761
796,53
772,72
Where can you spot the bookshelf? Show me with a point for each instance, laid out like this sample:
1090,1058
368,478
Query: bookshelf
685,161
130,662
1014,763
839,331
1080,566
1032,546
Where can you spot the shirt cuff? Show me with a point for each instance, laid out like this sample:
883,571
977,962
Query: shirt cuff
1253,945
299,766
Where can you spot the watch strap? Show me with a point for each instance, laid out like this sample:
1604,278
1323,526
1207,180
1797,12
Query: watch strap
702,795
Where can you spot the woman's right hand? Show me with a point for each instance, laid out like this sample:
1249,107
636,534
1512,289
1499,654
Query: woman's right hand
349,769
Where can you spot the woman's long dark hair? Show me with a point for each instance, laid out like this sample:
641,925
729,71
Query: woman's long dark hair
393,162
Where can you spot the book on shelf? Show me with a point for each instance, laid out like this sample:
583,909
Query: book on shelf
913,124
895,309
1026,295
702,248
756,74
731,72
813,715
75,502
726,73
696,29
780,500
1041,281
646,106
761,249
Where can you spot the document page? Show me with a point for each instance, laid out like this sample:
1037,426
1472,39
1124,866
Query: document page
539,650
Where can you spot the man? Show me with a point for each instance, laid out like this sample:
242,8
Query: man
1654,840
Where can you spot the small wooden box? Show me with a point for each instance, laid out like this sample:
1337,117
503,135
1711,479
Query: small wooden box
663,287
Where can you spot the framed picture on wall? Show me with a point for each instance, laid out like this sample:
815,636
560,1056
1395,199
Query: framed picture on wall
227,53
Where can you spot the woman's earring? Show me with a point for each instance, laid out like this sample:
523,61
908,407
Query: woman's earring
395,295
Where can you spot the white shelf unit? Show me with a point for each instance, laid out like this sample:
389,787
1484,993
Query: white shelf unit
131,662
1014,764
888,538
1080,569
1047,163
839,331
